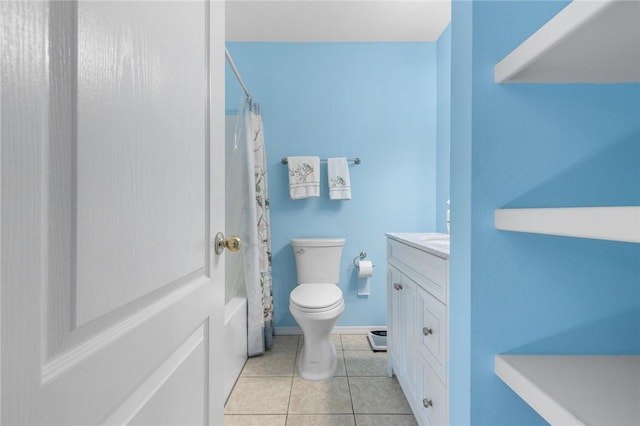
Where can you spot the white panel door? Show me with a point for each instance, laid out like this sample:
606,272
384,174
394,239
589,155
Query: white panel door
112,186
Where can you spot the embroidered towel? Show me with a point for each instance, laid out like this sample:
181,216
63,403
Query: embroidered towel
339,182
304,177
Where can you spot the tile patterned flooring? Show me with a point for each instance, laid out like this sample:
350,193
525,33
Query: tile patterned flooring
271,392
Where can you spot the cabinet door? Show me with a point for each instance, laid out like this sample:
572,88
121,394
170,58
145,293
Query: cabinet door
431,395
432,332
395,327
409,332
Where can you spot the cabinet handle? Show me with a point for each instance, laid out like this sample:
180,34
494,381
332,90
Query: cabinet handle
427,403
397,286
427,331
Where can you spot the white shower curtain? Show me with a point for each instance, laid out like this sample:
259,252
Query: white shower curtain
256,230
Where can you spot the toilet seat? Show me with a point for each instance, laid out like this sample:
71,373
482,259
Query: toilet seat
316,297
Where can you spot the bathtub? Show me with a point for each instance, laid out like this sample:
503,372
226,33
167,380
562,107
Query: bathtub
235,341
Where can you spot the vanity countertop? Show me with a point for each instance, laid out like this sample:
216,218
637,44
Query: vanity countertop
431,242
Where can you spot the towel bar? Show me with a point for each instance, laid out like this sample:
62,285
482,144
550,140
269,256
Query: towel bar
355,160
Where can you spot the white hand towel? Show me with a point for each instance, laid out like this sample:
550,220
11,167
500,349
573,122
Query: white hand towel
339,181
304,177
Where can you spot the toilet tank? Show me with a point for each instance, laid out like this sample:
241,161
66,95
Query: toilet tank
318,259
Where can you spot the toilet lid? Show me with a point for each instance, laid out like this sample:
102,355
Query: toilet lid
316,296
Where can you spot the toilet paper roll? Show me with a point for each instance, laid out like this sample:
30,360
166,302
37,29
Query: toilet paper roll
365,268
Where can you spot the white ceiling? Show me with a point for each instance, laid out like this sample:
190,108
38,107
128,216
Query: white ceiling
336,20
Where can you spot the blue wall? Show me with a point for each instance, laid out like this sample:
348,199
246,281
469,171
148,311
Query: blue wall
461,27
376,101
443,132
537,145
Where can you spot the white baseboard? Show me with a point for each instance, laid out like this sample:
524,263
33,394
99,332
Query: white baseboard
364,329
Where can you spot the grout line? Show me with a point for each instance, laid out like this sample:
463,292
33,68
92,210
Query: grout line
293,375
233,388
346,372
286,420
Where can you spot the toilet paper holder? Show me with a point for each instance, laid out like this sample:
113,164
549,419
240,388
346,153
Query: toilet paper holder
361,256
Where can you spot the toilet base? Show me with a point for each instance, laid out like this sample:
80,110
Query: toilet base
318,360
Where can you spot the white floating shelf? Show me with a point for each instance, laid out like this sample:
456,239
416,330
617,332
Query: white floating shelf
576,389
589,41
602,223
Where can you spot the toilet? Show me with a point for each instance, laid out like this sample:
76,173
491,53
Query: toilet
316,303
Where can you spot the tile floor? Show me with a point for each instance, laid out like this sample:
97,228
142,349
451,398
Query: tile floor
271,392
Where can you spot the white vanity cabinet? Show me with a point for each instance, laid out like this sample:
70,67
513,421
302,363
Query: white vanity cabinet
418,322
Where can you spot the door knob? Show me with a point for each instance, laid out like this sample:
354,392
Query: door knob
232,243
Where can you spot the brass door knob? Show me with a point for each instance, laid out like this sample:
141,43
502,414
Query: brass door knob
232,244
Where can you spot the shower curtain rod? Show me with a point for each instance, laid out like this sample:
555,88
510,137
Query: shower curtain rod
235,71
